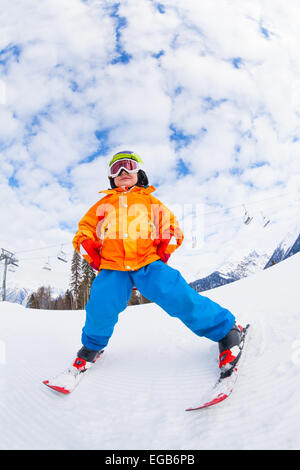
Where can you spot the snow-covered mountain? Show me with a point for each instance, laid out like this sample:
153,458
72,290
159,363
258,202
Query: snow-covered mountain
21,295
232,271
288,247
249,264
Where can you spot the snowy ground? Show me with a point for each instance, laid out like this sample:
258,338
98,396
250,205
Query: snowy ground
153,368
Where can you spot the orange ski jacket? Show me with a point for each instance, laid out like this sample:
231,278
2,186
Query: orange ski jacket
128,223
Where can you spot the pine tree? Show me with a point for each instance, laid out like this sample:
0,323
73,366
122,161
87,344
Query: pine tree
33,302
76,277
59,303
88,275
144,300
42,298
135,298
68,300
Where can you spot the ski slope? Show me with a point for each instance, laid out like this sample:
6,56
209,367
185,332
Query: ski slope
154,367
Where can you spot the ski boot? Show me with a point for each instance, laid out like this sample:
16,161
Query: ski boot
86,358
69,379
230,348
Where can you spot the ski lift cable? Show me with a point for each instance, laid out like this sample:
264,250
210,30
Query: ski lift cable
203,251
250,203
222,222
44,247
42,257
253,212
204,213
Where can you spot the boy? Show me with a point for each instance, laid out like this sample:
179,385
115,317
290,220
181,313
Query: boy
126,237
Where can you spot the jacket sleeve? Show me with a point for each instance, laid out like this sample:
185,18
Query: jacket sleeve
166,225
87,227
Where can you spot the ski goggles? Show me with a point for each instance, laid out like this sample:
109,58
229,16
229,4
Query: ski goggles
127,164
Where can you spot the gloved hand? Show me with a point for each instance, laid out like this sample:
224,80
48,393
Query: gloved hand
161,248
92,248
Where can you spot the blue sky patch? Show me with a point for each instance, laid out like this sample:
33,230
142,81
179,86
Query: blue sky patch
12,51
13,182
179,137
237,62
121,22
264,32
103,147
161,8
74,85
236,171
210,103
33,127
67,226
182,169
259,164
178,90
158,54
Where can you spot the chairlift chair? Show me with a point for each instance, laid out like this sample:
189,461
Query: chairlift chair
61,255
266,221
13,265
47,266
247,217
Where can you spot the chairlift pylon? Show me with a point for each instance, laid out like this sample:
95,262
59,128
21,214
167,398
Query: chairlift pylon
247,217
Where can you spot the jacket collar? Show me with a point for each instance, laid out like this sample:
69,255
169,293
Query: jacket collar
135,189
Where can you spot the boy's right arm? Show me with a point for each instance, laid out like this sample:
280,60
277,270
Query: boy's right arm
86,241
87,227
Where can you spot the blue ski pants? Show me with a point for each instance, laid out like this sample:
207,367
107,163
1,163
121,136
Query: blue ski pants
160,283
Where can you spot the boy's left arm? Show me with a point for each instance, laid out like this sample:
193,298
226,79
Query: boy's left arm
167,227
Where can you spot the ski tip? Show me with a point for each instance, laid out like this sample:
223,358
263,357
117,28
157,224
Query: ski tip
56,388
220,397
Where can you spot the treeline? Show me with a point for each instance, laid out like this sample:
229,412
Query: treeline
43,299
77,295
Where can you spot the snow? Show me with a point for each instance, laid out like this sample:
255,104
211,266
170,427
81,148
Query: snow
153,369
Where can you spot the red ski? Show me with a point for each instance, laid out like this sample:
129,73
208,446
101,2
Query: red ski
224,386
68,380
219,393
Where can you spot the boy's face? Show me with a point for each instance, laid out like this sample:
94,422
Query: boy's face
126,179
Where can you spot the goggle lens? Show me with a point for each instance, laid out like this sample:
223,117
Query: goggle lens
127,164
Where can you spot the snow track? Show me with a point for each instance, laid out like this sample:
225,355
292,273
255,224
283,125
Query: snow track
154,367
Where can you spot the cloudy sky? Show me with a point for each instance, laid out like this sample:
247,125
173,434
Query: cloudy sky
208,93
